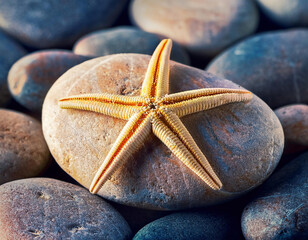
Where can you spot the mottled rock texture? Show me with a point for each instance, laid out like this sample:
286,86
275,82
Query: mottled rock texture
10,52
242,141
204,27
294,121
31,77
272,65
23,151
287,13
194,225
44,24
280,210
44,208
124,40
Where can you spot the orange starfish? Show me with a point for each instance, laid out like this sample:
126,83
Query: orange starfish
159,112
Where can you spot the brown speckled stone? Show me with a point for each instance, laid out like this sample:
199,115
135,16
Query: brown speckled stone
243,141
204,27
42,208
294,121
23,151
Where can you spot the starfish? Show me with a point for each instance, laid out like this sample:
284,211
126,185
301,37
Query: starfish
159,112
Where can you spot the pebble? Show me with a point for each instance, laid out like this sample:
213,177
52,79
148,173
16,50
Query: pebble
45,208
193,225
31,77
280,210
294,121
287,13
10,52
242,141
124,40
23,151
272,65
203,27
46,24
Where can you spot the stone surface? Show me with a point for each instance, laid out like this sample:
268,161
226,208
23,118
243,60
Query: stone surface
124,40
31,77
288,13
44,24
23,151
242,141
204,27
280,210
10,52
44,208
194,225
272,65
294,121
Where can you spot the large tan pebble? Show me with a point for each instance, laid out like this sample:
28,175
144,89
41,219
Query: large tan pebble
242,141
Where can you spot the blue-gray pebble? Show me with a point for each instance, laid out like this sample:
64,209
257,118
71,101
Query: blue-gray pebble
10,52
194,225
272,65
280,210
31,77
287,13
44,24
125,40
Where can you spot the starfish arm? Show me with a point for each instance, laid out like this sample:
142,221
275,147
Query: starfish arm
156,81
118,106
175,137
130,139
189,102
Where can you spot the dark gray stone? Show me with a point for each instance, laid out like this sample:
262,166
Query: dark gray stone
43,24
280,210
31,77
194,225
125,40
10,52
44,208
272,65
287,13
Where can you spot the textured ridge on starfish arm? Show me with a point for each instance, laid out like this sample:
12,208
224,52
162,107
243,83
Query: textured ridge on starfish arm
156,81
178,128
198,104
109,104
130,139
172,141
197,93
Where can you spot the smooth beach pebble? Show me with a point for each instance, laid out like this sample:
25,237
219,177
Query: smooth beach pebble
280,210
203,224
44,208
203,27
287,13
10,52
242,141
272,65
124,40
23,151
44,24
294,121
31,77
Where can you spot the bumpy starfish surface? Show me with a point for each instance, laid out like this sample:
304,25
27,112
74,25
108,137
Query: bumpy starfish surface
159,112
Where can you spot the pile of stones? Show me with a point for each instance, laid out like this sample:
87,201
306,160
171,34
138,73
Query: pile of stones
259,150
